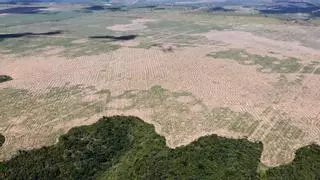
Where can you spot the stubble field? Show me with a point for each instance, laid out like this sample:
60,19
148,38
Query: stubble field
188,73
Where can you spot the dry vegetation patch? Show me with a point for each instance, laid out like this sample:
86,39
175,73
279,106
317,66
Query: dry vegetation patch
243,39
80,41
266,64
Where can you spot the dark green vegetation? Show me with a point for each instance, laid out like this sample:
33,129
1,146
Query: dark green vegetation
18,35
127,148
306,165
267,64
2,139
4,78
115,38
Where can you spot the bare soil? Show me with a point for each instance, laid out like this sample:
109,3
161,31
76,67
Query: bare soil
137,24
196,95
247,40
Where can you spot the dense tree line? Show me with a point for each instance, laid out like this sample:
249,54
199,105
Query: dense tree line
4,78
127,148
80,154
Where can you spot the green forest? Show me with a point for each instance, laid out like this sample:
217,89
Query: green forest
122,147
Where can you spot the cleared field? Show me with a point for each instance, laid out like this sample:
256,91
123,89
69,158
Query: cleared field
266,90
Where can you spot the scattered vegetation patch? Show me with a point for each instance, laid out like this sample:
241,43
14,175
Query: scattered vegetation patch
127,148
309,68
2,139
49,114
25,46
317,71
182,26
4,78
167,104
175,112
267,64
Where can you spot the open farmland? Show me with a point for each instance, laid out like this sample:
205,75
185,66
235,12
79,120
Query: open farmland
188,73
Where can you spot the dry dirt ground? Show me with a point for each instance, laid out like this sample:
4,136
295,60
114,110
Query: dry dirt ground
187,93
136,24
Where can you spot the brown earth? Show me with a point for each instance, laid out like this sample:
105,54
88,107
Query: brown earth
252,42
136,24
200,96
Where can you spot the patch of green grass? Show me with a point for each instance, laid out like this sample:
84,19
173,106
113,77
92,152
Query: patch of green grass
91,48
182,26
180,31
127,148
26,19
28,45
33,45
262,169
267,64
235,121
178,112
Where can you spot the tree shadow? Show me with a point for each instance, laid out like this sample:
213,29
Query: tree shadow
23,10
115,38
18,35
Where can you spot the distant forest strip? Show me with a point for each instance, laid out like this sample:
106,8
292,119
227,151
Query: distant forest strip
18,35
50,33
23,10
115,38
4,78
121,147
100,8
